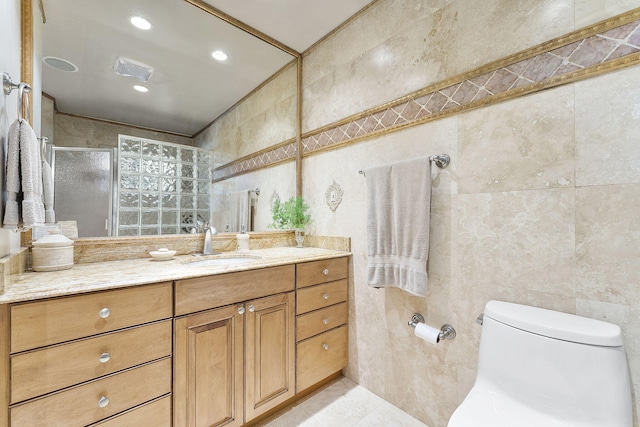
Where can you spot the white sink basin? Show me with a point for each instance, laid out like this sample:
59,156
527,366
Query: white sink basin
231,260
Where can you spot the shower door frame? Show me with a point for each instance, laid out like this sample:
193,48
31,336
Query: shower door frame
113,170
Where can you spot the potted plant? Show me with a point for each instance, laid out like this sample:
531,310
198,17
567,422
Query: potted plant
291,214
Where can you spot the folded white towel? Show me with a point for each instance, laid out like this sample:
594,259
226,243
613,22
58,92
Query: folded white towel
24,177
398,207
48,192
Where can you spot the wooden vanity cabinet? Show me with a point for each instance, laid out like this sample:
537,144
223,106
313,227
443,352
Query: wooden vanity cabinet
233,363
321,309
91,358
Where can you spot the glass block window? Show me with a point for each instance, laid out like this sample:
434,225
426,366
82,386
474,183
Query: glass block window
163,188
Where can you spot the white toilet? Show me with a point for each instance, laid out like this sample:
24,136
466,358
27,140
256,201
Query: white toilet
539,368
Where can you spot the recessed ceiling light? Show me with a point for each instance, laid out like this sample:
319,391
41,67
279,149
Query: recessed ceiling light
140,22
60,64
219,55
141,88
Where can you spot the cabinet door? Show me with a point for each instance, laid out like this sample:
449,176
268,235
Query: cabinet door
208,365
270,350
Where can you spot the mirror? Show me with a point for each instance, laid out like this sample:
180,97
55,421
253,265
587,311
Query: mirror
187,88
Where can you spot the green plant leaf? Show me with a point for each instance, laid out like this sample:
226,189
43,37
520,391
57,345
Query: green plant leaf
290,214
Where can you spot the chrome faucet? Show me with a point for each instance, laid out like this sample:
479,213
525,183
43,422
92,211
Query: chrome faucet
209,230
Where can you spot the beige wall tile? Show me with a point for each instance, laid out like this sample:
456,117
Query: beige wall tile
490,30
522,239
589,12
266,118
608,243
628,318
525,143
608,129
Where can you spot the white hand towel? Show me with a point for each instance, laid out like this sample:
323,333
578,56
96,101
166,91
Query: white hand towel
398,207
12,208
240,206
48,192
31,177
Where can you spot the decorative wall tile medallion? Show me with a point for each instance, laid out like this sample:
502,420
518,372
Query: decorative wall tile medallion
334,196
591,51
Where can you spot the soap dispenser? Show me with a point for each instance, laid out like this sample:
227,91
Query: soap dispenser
243,241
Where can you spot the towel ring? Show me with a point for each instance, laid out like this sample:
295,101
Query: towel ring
23,94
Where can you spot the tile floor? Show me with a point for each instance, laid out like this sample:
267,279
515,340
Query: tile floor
343,404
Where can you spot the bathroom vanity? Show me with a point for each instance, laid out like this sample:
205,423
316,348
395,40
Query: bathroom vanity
172,343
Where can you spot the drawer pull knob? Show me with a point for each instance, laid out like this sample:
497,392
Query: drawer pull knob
325,271
104,357
252,308
103,402
325,296
325,321
240,310
105,312
325,346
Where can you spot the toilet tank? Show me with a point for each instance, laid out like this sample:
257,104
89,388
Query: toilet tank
570,368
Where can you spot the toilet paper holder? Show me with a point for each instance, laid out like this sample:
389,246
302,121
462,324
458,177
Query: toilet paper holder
446,331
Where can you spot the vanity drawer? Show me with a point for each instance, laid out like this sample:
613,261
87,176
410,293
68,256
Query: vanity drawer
156,414
203,293
321,356
52,368
326,270
321,296
41,323
319,321
80,405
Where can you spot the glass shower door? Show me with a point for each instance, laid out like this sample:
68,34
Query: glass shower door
83,179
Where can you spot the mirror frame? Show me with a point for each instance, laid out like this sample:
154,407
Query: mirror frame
27,59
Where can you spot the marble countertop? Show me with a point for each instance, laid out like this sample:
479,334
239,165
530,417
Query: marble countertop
117,274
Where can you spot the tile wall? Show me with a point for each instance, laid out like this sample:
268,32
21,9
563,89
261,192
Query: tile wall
263,123
539,205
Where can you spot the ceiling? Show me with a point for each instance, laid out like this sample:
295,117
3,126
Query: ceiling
295,23
188,89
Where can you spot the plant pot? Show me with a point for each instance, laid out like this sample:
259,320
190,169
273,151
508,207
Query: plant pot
300,237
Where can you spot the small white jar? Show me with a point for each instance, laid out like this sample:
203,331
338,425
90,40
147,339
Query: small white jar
52,252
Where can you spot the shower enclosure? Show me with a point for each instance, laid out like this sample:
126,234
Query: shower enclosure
84,180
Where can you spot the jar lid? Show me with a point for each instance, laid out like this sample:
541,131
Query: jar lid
53,240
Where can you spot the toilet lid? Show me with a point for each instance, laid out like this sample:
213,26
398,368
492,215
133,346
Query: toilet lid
487,409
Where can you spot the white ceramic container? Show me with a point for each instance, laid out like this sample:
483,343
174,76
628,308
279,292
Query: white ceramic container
52,252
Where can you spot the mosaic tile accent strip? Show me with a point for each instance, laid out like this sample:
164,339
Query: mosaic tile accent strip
603,47
270,157
526,75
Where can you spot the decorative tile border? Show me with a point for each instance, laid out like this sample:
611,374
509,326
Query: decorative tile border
563,63
283,152
603,47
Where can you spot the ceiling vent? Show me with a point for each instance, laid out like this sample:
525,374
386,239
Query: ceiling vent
60,64
131,68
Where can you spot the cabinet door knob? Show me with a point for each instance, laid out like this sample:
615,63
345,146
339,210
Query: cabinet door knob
252,308
325,346
103,402
325,271
325,296
104,357
240,310
325,321
105,312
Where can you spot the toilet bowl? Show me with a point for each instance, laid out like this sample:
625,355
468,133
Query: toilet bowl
539,368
